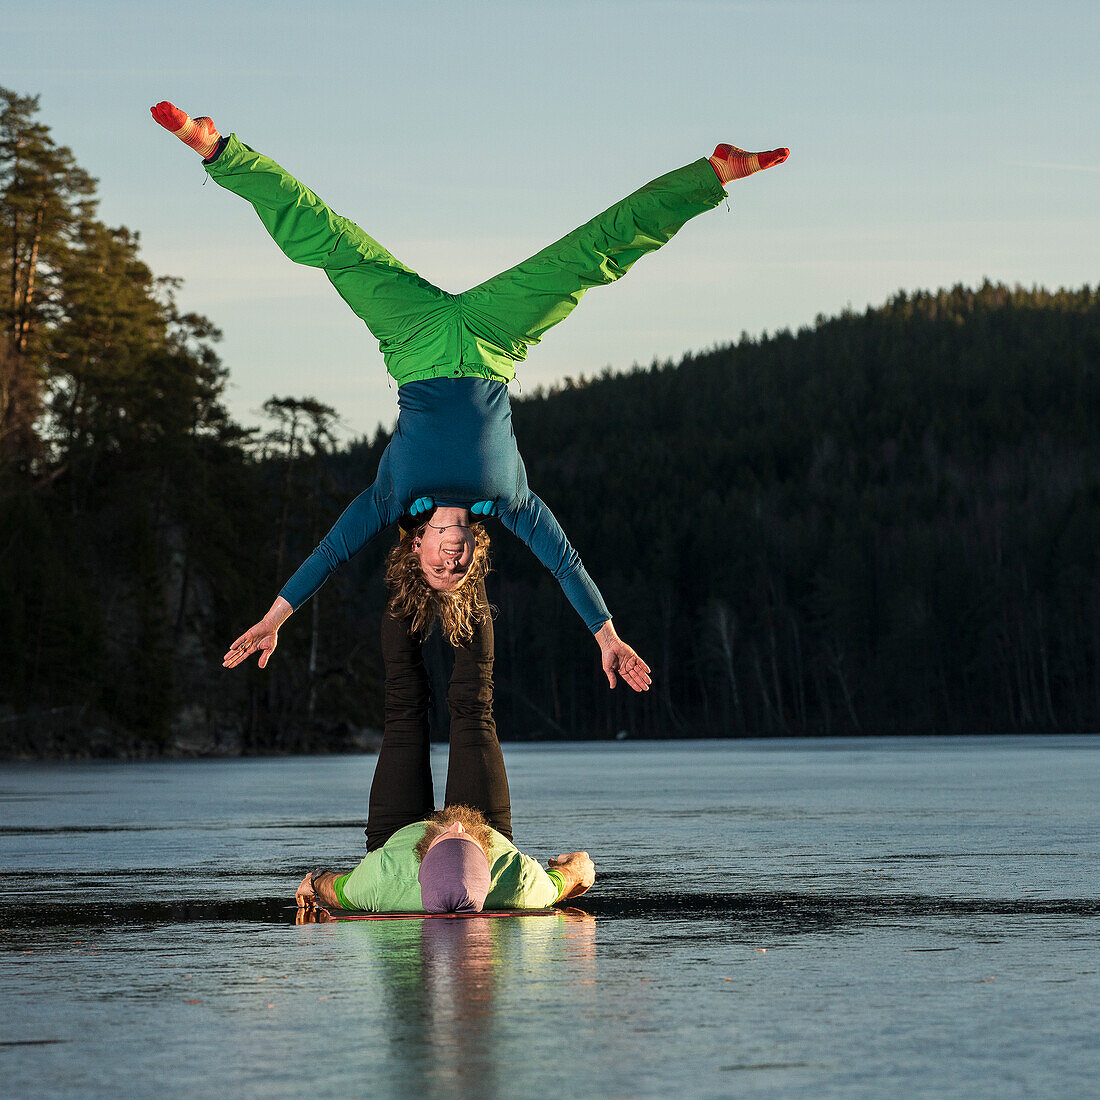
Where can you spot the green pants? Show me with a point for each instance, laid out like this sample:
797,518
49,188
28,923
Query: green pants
423,331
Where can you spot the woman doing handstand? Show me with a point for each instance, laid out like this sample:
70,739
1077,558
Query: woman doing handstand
453,452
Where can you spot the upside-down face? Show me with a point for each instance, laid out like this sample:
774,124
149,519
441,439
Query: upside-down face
446,554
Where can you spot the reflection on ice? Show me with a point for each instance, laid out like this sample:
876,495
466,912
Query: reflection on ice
780,919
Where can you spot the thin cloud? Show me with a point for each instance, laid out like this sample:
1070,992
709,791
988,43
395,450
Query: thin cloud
1055,167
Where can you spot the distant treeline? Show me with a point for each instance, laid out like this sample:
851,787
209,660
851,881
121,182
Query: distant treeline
888,523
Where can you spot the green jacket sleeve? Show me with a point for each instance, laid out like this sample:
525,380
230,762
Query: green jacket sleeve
520,882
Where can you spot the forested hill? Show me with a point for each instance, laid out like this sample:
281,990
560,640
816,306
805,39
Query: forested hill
886,523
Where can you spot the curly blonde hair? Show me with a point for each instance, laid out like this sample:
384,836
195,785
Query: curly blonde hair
473,821
459,611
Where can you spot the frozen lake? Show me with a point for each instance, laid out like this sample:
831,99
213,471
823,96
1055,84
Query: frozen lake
904,916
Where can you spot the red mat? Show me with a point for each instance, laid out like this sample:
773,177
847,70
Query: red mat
451,916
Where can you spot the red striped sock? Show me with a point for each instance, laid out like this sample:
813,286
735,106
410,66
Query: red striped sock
732,163
200,133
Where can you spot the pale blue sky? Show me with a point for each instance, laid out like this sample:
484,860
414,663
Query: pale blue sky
932,143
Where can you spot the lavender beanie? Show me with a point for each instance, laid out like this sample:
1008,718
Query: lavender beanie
454,877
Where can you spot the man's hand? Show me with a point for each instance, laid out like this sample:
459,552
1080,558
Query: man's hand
617,657
317,890
578,871
305,897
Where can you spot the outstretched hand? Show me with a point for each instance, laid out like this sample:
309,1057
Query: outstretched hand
623,660
261,638
619,659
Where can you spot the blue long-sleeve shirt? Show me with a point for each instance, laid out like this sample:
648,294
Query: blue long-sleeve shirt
454,443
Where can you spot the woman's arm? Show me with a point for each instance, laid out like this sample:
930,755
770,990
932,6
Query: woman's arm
364,517
530,520
367,514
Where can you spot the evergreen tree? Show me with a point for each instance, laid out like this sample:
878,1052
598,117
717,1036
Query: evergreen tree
44,200
110,416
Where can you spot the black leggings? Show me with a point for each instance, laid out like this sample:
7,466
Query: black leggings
402,789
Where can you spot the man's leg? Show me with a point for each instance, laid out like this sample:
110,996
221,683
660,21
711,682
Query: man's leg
401,792
475,769
512,310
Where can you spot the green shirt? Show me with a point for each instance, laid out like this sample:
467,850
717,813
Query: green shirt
386,882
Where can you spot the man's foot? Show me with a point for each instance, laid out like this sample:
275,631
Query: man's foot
200,133
732,163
